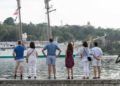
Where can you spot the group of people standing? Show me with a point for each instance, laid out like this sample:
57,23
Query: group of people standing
51,48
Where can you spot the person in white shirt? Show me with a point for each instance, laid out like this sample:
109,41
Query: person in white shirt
96,62
32,61
84,53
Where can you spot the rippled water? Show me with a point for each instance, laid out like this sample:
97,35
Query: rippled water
110,70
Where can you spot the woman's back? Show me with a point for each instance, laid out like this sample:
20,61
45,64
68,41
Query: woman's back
69,54
32,52
85,53
69,61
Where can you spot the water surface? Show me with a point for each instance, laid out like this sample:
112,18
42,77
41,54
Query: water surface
110,70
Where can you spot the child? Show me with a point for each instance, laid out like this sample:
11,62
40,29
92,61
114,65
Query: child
69,61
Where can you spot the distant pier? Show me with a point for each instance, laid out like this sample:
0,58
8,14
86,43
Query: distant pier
111,82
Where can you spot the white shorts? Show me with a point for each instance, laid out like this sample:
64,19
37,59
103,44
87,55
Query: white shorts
96,62
20,61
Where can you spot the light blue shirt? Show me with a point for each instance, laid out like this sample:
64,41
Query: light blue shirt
51,49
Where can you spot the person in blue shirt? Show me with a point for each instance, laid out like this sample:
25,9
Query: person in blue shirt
18,54
51,48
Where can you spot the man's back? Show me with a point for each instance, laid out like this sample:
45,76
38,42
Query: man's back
97,51
19,50
51,49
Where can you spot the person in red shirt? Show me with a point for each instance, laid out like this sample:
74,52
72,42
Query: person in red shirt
69,60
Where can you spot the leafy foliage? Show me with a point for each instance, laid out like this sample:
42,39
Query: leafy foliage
9,32
9,21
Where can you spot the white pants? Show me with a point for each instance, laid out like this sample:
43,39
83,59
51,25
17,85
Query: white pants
86,70
32,66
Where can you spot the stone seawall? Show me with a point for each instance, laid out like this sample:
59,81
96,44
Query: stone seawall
59,82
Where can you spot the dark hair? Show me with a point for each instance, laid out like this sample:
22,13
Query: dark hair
32,45
70,47
50,40
85,44
19,42
95,44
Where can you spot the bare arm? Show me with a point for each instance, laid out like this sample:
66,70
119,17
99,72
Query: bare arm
27,56
72,43
81,52
14,55
81,55
59,52
97,58
44,53
36,53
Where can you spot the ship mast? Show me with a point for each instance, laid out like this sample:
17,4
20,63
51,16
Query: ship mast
20,24
47,7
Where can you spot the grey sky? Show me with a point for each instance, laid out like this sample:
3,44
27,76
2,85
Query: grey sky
104,13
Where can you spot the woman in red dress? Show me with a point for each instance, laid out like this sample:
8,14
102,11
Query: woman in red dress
69,60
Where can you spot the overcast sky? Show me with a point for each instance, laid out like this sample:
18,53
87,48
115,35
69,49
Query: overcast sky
104,13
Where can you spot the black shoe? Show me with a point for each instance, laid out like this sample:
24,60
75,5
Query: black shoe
21,77
94,77
49,77
98,77
87,77
15,76
29,77
35,77
72,77
68,77
54,77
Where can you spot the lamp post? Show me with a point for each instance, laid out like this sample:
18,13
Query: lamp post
20,24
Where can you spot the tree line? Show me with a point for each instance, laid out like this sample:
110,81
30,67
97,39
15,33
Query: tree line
9,32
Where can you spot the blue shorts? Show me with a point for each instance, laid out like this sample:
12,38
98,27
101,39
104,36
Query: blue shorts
51,60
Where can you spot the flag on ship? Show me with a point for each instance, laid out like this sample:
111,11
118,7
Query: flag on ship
16,13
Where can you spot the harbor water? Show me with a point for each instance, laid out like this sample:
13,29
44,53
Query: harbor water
110,70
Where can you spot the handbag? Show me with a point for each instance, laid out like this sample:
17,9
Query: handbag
88,57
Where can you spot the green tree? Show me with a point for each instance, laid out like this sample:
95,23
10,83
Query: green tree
9,21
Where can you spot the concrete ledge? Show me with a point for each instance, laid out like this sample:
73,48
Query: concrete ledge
60,82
